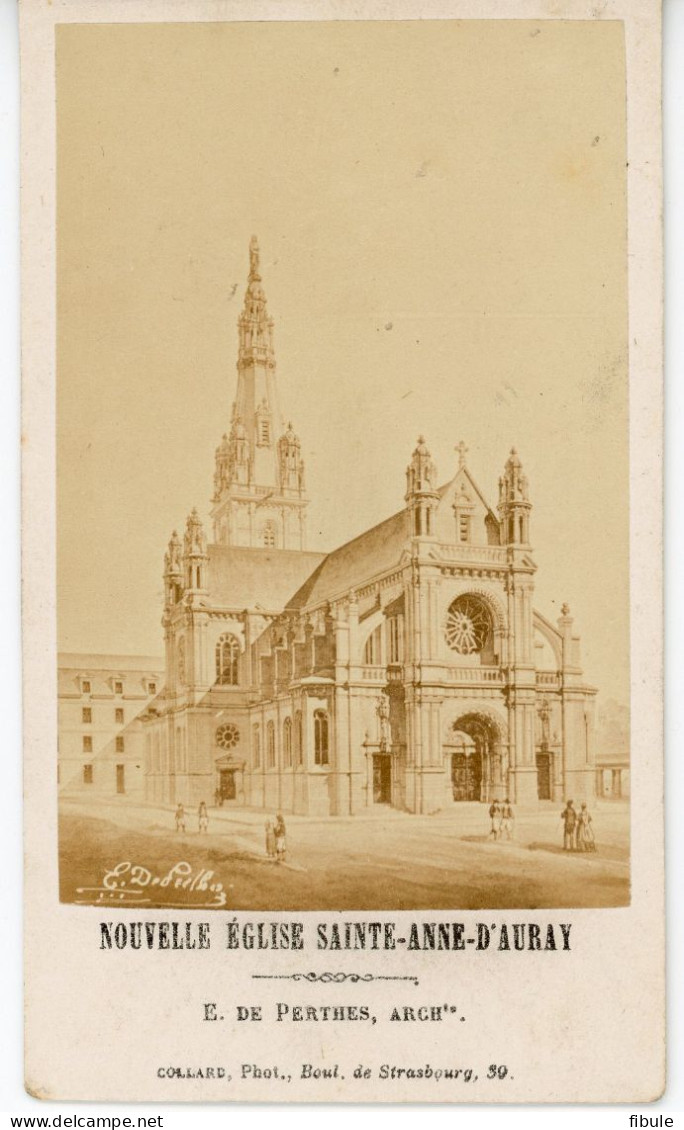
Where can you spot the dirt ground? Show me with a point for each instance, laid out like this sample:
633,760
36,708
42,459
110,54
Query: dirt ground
393,861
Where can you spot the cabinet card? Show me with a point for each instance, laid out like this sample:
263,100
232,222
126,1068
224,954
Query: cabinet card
342,533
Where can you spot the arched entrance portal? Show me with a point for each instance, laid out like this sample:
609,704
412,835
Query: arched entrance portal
474,747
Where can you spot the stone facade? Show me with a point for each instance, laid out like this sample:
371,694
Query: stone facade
408,667
100,699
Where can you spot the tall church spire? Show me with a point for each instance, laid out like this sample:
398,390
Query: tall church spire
259,472
255,326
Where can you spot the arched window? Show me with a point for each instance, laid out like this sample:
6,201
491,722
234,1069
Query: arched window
268,535
256,746
180,660
372,652
270,745
287,743
394,641
320,737
298,742
227,659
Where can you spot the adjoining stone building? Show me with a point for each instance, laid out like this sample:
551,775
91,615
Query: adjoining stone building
100,699
408,667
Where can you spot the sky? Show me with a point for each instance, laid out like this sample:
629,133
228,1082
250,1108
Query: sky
442,218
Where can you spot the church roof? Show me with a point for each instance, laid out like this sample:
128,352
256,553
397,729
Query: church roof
241,577
352,565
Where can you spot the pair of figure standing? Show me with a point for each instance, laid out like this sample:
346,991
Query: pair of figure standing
202,817
501,820
275,839
578,834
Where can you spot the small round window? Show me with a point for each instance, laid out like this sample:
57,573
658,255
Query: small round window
227,735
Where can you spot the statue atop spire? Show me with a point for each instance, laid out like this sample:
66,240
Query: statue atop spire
254,324
254,260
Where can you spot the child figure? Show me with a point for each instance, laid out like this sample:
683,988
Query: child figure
180,818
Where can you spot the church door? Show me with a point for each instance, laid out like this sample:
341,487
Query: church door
382,779
227,785
544,776
466,775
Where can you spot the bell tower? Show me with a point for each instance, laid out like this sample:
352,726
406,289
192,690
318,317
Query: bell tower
259,498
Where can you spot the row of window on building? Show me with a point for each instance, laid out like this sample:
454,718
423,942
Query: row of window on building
87,715
86,687
119,744
120,776
292,743
228,651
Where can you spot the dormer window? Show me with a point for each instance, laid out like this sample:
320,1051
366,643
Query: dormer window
85,686
118,686
464,509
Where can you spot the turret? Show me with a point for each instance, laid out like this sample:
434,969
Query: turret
173,571
514,504
195,558
421,491
291,464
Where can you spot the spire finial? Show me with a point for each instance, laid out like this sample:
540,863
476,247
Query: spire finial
462,451
254,258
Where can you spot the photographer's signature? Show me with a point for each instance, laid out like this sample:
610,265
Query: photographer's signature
131,884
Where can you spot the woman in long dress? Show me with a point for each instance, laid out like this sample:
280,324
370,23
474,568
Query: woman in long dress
585,832
270,840
279,829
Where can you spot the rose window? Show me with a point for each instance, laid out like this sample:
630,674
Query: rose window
468,625
227,735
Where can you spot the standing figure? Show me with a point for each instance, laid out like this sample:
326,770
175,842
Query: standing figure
495,820
203,817
507,819
279,830
585,832
569,818
383,712
270,840
180,818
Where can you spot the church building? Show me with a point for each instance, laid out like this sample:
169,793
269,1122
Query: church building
408,667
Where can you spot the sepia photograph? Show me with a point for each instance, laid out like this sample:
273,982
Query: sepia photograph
342,465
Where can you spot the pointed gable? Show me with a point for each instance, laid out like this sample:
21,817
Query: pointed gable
463,513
